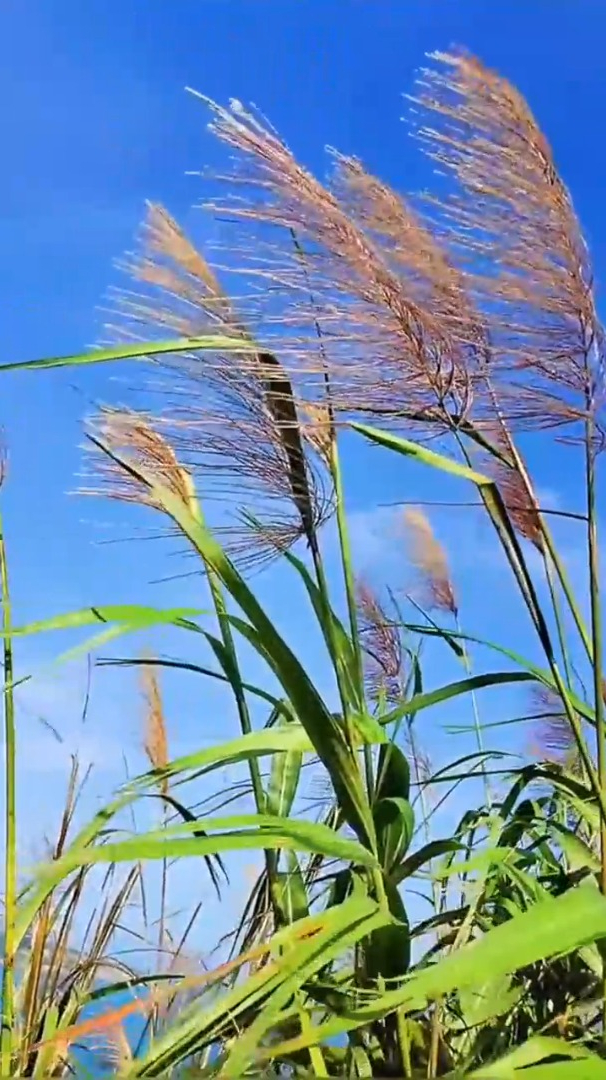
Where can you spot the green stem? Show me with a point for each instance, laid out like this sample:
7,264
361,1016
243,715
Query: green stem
552,551
434,1046
271,857
477,723
597,643
344,689
567,589
511,547
346,559
350,592
499,516
316,1057
557,611
404,1042
163,893
10,856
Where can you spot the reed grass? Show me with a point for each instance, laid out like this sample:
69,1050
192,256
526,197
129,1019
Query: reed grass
473,321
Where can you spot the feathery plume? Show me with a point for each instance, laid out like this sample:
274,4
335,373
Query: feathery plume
317,428
115,1048
183,296
382,646
155,739
409,245
174,264
429,559
507,469
553,737
133,436
232,417
521,503
514,227
385,298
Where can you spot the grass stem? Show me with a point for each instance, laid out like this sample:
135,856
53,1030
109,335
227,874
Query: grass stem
10,853
350,593
597,645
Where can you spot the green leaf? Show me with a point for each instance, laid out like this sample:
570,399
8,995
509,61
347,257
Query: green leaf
393,773
118,620
257,744
388,949
420,453
142,350
335,635
483,861
394,824
187,815
481,1004
359,1063
578,853
422,857
291,738
367,729
196,669
263,993
134,614
497,512
357,918
541,675
326,734
288,891
587,1069
520,1062
283,783
241,832
460,688
554,928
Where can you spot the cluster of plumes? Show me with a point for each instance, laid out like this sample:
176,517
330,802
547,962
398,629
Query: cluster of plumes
382,645
422,319
235,420
475,314
363,274
430,562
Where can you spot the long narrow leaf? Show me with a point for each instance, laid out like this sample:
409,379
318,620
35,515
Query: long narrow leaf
141,350
325,731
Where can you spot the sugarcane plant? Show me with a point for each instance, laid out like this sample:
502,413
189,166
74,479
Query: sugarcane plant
443,333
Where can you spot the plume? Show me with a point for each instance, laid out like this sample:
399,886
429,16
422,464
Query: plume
506,467
553,738
513,226
386,298
233,418
155,739
429,560
134,437
382,646
115,1048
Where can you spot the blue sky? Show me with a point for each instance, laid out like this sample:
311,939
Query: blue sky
94,121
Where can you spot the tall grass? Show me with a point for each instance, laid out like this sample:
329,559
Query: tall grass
456,328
